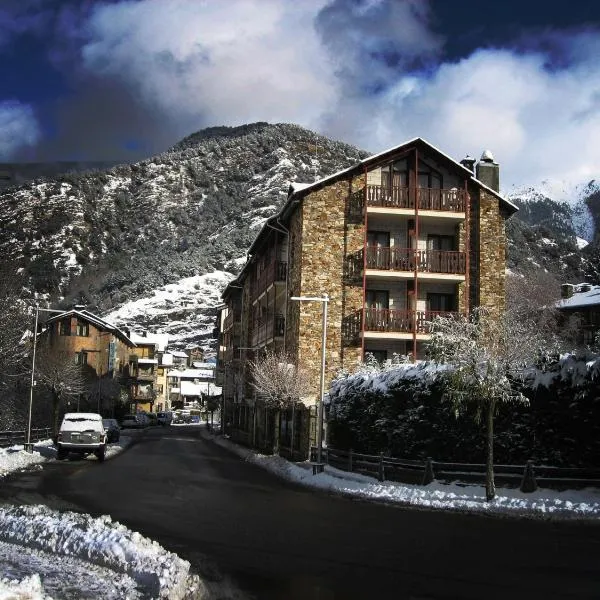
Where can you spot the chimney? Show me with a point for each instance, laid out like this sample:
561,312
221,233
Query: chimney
468,162
488,171
566,290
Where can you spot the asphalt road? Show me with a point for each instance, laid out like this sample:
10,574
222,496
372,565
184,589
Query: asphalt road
276,540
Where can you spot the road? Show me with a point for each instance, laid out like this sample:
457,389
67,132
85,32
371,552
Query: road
277,540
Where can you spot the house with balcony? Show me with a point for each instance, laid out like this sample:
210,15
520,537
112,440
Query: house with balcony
395,240
143,370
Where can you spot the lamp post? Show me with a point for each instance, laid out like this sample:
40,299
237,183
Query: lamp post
325,301
28,444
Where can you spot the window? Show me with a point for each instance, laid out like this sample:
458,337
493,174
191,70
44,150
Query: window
81,358
160,371
64,327
440,242
377,299
441,302
159,389
378,250
83,328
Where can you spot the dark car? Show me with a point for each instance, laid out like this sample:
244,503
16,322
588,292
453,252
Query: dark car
113,431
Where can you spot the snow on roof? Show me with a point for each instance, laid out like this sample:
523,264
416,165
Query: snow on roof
160,340
204,365
189,388
192,374
147,361
589,297
94,320
166,359
179,354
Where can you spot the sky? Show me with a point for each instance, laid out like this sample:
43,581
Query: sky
126,79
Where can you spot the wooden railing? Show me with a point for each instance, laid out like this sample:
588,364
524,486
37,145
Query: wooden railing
269,328
409,259
11,438
425,471
276,271
401,321
452,200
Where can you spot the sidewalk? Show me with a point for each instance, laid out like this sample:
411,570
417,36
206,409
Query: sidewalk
542,504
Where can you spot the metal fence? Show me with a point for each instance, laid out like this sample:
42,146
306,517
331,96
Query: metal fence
10,438
422,472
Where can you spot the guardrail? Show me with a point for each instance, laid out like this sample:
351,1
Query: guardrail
11,438
422,472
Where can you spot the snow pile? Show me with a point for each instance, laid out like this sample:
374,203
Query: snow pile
99,541
16,459
29,588
468,498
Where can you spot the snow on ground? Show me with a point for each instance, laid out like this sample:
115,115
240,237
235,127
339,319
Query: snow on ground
543,503
77,556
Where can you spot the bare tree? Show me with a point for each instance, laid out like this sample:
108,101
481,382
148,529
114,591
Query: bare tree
103,392
13,350
485,357
58,373
280,383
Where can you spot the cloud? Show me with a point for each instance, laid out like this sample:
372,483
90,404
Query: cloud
540,122
215,62
18,127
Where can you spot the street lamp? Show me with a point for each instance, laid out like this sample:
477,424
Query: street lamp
28,444
324,300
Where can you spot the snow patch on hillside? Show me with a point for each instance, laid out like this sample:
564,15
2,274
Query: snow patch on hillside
185,310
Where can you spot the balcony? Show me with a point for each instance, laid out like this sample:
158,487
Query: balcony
401,321
433,199
389,324
268,329
276,272
143,376
140,395
409,260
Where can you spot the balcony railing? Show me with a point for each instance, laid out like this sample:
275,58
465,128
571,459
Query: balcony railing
143,376
453,200
269,328
275,272
409,259
401,321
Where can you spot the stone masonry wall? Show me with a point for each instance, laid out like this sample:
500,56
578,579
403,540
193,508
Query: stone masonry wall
492,254
330,236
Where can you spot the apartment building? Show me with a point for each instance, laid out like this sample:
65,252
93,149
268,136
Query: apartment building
394,240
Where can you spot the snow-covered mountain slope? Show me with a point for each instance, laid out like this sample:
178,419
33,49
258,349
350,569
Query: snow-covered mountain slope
186,309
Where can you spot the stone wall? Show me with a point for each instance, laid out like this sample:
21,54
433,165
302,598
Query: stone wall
331,235
492,254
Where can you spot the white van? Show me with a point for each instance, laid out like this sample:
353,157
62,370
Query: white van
82,433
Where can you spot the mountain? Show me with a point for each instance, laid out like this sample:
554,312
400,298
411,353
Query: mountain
556,229
106,238
152,244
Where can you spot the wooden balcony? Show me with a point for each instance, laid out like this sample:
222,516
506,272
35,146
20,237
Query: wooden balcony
143,376
409,259
270,328
434,199
401,321
276,272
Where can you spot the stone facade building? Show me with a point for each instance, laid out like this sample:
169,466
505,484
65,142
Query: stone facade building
395,240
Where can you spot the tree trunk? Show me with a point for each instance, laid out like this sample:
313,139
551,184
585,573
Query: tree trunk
293,431
55,407
276,430
490,488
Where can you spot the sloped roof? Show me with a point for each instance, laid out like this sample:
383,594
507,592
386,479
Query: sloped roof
590,297
96,321
160,340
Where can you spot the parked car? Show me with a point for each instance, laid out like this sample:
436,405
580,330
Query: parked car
82,433
113,431
164,418
136,421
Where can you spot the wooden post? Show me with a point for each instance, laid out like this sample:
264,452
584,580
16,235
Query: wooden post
428,474
381,468
350,460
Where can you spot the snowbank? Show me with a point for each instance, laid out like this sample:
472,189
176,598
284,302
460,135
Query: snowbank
100,541
469,498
